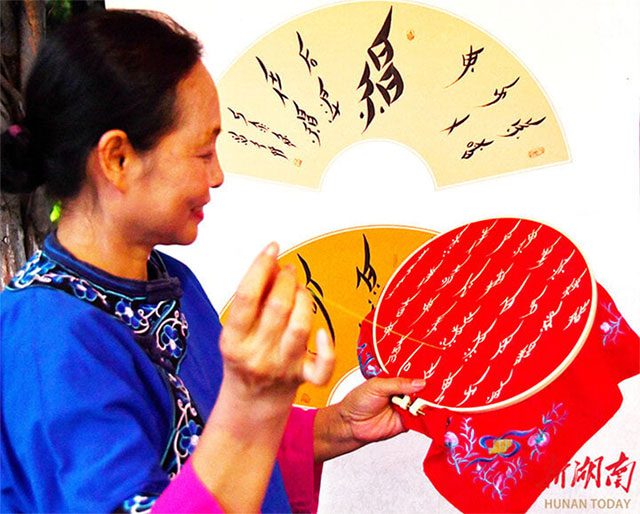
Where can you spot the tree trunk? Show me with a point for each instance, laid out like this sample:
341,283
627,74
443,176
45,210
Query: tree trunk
24,219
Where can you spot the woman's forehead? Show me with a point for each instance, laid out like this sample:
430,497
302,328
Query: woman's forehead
198,105
197,86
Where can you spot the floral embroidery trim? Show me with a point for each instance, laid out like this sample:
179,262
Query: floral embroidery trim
495,461
369,366
160,329
611,328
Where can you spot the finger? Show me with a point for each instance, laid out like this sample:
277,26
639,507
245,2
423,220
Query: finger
277,307
386,387
251,291
296,334
318,371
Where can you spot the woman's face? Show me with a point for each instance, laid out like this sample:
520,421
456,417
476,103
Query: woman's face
179,171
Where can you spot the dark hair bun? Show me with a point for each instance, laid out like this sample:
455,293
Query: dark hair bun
19,173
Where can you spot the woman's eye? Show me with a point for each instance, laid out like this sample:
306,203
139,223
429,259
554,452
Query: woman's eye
206,156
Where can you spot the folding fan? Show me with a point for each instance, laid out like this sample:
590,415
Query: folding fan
383,70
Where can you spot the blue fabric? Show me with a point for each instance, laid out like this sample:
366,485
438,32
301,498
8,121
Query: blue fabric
86,414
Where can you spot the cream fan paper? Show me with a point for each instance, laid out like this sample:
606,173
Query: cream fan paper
380,70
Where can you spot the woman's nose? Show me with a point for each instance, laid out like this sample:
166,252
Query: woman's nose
216,175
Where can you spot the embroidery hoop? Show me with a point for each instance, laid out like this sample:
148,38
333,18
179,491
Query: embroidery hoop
383,352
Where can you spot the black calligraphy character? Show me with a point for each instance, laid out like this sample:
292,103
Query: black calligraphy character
277,153
284,139
469,60
368,274
273,79
259,125
305,56
238,138
499,95
456,124
334,109
391,74
472,147
316,292
309,122
390,84
238,115
269,76
519,127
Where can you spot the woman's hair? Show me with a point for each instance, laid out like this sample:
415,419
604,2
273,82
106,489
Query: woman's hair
103,70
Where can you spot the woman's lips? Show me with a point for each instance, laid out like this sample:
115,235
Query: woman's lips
198,213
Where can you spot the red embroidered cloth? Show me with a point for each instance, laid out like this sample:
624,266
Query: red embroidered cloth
521,349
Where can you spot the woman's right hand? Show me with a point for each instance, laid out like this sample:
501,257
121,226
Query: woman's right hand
264,348
264,340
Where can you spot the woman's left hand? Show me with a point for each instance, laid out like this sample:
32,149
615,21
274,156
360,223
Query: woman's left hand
364,416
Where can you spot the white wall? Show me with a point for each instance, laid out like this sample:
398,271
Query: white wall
585,55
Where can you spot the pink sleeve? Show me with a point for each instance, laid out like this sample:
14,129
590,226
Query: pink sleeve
186,493
300,474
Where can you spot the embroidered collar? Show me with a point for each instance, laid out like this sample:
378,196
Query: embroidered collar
161,286
151,309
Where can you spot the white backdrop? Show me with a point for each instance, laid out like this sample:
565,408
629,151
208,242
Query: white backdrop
585,55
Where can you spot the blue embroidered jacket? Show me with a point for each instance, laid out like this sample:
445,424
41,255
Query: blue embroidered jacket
106,384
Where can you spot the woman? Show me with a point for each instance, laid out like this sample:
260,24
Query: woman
119,389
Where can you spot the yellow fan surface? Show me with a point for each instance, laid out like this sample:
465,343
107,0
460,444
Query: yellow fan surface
345,272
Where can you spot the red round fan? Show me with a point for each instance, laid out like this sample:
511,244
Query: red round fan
488,313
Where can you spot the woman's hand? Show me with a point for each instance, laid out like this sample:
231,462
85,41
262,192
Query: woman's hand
263,346
364,416
264,339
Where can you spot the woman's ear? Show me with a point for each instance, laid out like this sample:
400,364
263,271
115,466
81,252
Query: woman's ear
114,156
